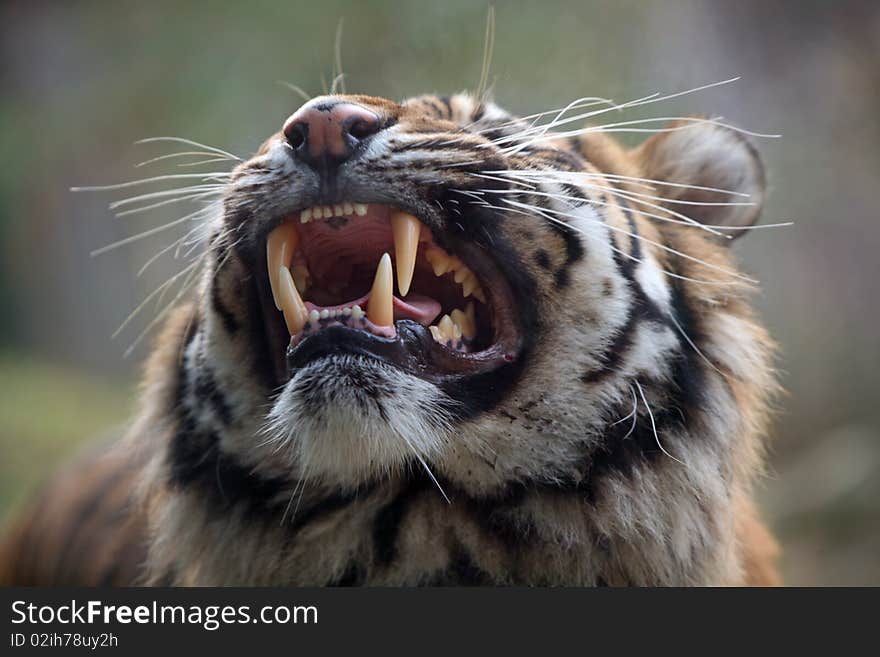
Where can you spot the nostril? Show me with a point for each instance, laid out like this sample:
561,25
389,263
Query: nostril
362,128
295,133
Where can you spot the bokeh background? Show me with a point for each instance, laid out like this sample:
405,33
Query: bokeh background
81,81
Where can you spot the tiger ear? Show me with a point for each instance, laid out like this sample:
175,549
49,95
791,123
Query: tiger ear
705,155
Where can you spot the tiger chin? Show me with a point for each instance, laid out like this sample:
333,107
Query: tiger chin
435,345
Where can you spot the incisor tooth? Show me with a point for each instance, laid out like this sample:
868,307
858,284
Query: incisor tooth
327,212
305,216
405,228
280,246
380,306
337,210
347,208
291,304
360,209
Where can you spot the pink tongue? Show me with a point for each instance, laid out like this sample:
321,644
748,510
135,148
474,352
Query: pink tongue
417,307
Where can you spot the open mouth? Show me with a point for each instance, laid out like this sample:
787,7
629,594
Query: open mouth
372,280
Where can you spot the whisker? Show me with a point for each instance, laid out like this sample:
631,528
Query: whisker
146,181
653,424
641,238
179,154
190,142
296,89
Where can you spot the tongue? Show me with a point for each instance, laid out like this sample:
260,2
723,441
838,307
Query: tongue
417,307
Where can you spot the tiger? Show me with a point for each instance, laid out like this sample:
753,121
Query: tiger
434,343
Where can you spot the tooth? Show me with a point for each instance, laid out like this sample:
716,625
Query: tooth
405,229
446,326
360,209
461,273
305,216
439,261
301,277
314,316
380,306
478,292
356,312
435,332
337,210
348,208
280,246
465,321
346,312
291,304
469,285
325,313
327,211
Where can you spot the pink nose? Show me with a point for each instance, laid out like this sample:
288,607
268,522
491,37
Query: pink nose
326,129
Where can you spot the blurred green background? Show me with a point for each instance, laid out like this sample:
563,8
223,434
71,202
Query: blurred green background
81,81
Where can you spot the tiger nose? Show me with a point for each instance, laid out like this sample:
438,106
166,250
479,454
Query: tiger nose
327,131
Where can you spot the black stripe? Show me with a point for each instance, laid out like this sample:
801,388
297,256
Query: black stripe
389,520
230,323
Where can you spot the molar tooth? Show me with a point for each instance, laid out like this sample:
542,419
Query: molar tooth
465,321
291,304
360,209
469,285
380,306
405,229
438,260
461,273
446,326
347,208
280,245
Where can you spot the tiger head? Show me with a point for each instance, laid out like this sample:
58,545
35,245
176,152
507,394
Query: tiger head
437,287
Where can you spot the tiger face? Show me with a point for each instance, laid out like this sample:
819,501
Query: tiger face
436,290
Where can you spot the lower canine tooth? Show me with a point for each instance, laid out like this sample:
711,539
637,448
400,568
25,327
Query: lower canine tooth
291,304
380,306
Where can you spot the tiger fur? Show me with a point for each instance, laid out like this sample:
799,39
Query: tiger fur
620,447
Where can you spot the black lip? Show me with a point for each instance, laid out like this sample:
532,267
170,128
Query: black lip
412,350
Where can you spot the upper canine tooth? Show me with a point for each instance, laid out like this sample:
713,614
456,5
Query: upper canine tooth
405,228
292,306
380,305
280,245
360,209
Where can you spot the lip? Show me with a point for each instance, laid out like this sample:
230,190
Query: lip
411,348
